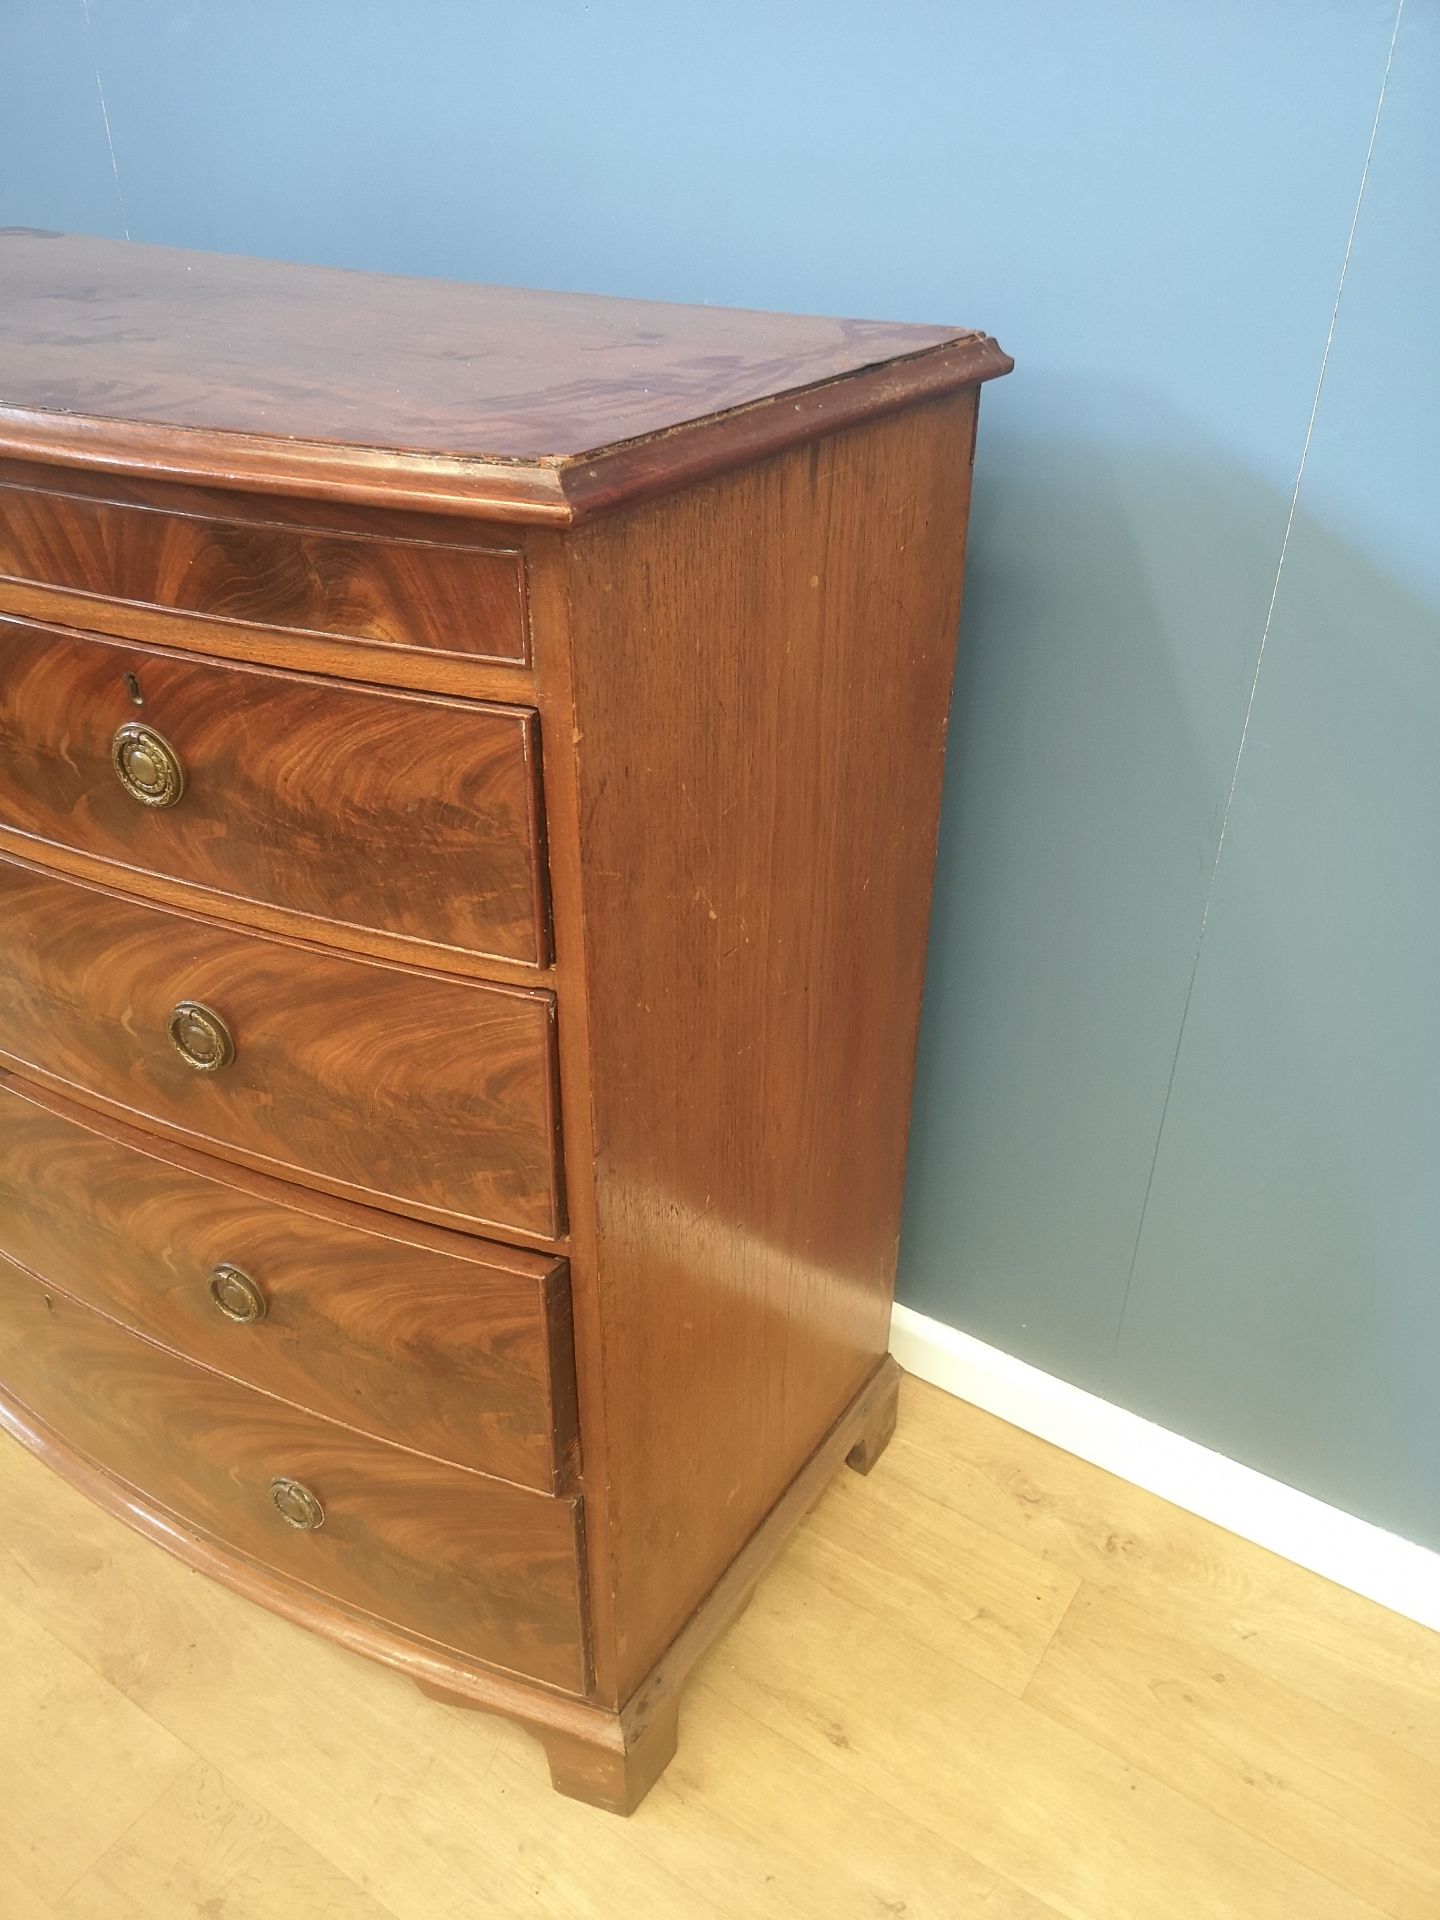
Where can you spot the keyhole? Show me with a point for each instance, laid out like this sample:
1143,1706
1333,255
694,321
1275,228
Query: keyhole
132,687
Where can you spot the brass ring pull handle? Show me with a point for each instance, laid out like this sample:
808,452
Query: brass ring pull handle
200,1037
236,1294
147,766
296,1504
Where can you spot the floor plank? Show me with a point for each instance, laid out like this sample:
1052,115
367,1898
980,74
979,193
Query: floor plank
1051,1810
969,1593
1375,1667
1353,1805
78,1761
206,1849
962,1692
740,1818
19,1901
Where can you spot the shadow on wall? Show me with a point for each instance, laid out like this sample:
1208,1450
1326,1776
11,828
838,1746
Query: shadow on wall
1114,609
1114,604
1284,1305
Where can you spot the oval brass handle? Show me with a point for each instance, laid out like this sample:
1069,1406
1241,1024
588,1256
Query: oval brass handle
296,1505
147,765
236,1294
200,1037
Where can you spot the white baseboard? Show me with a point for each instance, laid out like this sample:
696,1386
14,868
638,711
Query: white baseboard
1352,1552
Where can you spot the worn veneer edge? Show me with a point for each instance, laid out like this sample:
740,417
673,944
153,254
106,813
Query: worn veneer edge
48,481
547,1273
548,594
537,1266
373,663
313,932
554,492
541,1709
323,932
307,1606
553,1239
398,1206
563,1487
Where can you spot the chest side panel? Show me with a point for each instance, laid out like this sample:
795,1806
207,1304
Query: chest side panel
762,674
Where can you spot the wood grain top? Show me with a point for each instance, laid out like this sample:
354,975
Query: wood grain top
347,385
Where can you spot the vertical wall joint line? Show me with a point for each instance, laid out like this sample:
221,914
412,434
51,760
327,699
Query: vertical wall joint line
1255,677
105,116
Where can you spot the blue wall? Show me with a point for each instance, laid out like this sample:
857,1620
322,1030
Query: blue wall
1178,1124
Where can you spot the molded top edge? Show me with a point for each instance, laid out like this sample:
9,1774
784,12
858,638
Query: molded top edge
329,383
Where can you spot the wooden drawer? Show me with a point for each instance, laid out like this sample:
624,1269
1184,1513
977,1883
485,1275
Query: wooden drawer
434,1096
447,1344
405,815
256,565
489,1569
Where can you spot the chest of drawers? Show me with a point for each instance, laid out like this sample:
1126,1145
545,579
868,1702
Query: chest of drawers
469,771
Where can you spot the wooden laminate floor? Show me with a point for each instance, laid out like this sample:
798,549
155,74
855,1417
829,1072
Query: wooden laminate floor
989,1680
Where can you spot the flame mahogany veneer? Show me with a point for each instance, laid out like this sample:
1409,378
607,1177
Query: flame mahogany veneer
469,772
334,809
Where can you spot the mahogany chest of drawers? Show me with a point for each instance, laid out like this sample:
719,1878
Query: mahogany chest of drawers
469,770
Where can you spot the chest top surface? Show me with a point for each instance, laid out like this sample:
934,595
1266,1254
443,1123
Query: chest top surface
208,365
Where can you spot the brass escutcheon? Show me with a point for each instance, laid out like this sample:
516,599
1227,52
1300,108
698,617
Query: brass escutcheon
296,1504
236,1294
200,1037
147,765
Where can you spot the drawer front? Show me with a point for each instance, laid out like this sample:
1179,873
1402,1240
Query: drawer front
429,1095
403,814
474,1564
432,594
438,1341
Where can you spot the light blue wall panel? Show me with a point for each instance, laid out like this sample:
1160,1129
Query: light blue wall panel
55,168
1286,1303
